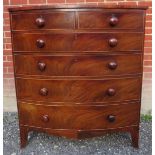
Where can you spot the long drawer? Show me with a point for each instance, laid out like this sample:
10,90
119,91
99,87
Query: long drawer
78,65
79,91
49,42
79,117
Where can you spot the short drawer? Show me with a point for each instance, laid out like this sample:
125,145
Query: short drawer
78,65
79,117
79,91
43,20
39,42
111,19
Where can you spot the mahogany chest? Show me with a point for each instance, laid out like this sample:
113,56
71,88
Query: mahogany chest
78,69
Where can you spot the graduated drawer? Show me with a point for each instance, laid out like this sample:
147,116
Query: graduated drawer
43,20
38,42
78,65
79,91
79,117
111,19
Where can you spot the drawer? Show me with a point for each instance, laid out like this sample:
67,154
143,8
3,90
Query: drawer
38,42
43,20
78,65
111,19
79,91
79,117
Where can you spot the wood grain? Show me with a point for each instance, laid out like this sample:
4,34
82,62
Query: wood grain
78,69
88,19
77,42
78,90
101,19
78,117
53,20
77,65
78,6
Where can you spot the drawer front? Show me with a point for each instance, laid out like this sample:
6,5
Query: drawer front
79,91
79,117
77,42
111,19
76,65
43,20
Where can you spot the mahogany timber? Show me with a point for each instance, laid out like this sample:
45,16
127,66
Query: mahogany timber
66,20
52,20
76,42
78,117
78,69
93,90
99,65
77,6
101,19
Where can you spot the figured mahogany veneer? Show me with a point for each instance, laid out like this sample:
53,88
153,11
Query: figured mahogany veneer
42,20
78,65
79,117
114,19
78,69
39,42
93,19
79,91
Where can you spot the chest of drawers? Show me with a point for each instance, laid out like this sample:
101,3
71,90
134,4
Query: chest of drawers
78,69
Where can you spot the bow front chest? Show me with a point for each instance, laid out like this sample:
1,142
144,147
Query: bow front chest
78,69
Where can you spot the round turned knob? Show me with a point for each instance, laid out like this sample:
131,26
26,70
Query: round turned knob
45,118
41,66
111,92
112,65
40,43
111,118
113,21
43,91
113,42
40,22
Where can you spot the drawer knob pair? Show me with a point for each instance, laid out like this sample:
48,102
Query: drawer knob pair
41,66
40,22
111,118
45,118
44,91
112,42
113,21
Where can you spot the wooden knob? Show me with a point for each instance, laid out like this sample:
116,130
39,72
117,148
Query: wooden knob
40,43
111,92
112,65
113,21
111,118
41,66
43,91
45,118
40,22
113,42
